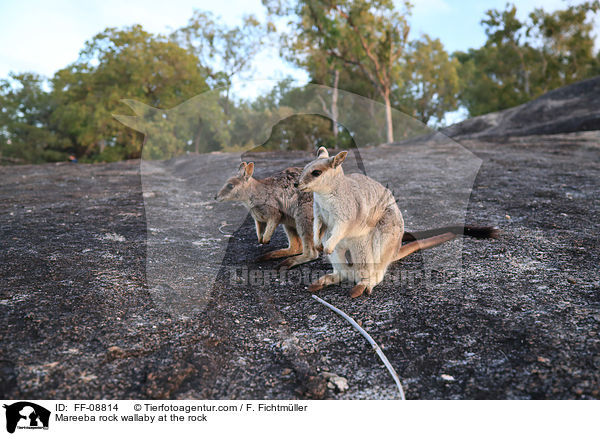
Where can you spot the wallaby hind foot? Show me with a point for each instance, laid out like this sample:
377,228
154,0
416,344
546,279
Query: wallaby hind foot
326,280
277,254
297,260
358,290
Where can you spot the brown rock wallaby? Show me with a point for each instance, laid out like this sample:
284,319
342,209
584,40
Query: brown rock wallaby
359,225
272,201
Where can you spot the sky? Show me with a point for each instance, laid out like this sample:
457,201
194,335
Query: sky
44,36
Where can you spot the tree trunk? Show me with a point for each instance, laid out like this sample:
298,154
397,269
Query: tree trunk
334,107
227,99
388,116
197,138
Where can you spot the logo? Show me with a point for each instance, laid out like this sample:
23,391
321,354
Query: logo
26,415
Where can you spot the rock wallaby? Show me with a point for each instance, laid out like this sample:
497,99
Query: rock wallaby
358,224
272,201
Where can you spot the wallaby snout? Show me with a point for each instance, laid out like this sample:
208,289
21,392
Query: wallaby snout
237,188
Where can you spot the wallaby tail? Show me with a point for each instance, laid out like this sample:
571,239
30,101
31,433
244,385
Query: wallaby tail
430,238
422,244
480,232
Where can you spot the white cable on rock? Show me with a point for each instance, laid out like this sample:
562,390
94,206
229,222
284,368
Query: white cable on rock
376,347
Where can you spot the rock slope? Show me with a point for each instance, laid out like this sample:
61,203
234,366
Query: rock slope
79,319
573,108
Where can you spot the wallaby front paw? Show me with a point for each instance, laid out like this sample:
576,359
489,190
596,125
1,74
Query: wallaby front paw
328,249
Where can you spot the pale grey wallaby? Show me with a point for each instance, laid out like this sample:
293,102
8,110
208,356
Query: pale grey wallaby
359,225
273,201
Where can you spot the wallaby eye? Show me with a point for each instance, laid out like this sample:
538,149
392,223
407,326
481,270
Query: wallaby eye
316,173
229,186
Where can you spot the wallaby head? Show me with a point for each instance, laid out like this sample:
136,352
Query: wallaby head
318,175
236,187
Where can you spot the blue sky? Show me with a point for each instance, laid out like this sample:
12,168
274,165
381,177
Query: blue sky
44,36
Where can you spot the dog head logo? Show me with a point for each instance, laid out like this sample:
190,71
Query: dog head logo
26,415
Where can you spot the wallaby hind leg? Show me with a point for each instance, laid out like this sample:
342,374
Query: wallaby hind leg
304,228
294,247
374,263
298,260
326,280
372,257
260,229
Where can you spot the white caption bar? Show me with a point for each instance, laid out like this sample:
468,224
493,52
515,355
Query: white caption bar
262,418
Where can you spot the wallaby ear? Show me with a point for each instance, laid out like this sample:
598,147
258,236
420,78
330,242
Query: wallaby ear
242,169
322,152
337,160
249,170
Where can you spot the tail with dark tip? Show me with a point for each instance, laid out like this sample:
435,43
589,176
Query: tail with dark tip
431,238
422,244
479,232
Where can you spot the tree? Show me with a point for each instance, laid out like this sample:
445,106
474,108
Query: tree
197,125
499,74
430,81
300,131
221,51
363,47
114,65
368,36
25,132
567,42
524,59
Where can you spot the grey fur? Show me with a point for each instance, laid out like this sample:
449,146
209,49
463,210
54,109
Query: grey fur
273,201
356,220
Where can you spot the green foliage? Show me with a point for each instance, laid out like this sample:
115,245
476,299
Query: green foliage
354,45
523,59
359,36
114,65
75,117
364,47
430,83
223,52
25,112
298,131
